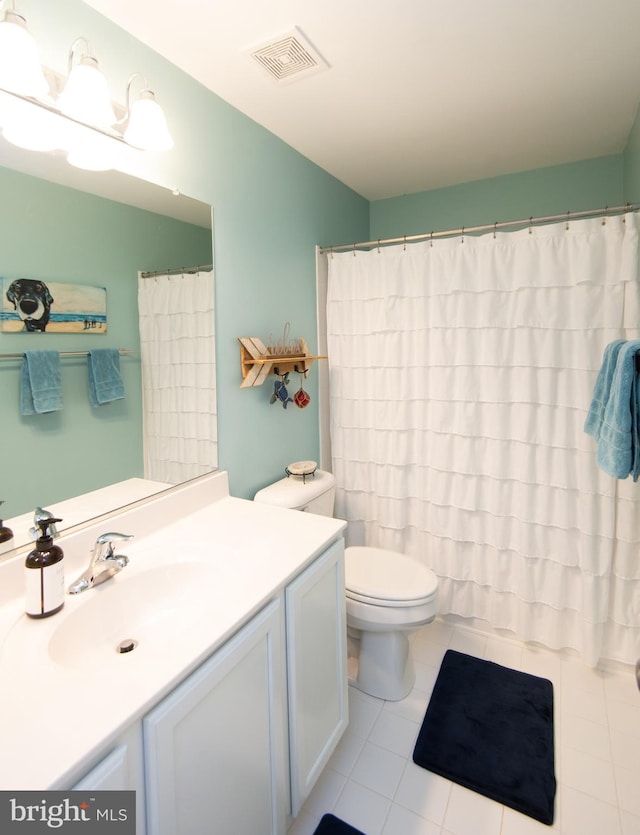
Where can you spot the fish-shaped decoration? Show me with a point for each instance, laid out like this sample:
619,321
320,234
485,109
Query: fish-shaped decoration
280,391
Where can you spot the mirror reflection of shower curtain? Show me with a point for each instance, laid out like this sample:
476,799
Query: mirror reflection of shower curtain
177,346
460,378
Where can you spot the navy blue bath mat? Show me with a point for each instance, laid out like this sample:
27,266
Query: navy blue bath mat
490,728
330,825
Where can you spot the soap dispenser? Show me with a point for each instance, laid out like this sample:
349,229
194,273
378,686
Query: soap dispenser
44,574
6,536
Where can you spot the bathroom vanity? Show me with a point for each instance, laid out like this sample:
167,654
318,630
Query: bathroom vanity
234,696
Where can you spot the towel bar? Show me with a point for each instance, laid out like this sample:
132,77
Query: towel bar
19,355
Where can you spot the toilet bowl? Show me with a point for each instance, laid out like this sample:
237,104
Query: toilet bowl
389,595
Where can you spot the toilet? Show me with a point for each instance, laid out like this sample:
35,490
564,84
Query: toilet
389,595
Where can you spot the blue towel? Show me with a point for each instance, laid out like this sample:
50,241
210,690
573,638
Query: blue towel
602,389
618,435
105,382
40,383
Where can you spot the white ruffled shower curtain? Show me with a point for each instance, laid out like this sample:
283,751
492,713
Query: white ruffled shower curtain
177,346
461,372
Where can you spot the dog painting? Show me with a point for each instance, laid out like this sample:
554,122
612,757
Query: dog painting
28,305
33,301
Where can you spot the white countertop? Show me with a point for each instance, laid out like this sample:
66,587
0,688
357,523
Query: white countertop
55,718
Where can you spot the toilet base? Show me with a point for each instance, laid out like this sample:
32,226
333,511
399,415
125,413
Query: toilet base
385,665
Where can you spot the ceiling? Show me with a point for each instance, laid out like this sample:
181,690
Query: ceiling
419,94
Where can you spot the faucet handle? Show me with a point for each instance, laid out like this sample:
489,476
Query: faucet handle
103,549
113,537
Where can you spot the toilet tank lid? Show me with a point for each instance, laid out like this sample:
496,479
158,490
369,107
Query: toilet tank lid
294,492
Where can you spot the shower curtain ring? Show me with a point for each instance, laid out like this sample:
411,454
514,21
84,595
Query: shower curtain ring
495,226
404,249
567,226
354,249
604,215
462,238
431,240
530,225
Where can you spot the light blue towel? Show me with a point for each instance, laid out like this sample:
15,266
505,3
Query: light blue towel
618,438
105,382
602,389
40,383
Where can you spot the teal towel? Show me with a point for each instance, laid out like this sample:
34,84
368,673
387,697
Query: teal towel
618,437
105,382
40,383
602,389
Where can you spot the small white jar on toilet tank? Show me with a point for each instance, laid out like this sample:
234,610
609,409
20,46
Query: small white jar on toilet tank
389,595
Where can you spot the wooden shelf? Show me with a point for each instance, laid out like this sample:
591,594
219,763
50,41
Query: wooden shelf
258,361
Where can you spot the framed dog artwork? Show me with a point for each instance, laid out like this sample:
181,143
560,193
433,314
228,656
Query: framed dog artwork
29,305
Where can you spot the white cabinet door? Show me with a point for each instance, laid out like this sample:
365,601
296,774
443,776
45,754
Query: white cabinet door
316,669
215,747
121,769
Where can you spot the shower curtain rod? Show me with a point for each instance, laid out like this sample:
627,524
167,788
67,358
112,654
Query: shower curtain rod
488,227
201,268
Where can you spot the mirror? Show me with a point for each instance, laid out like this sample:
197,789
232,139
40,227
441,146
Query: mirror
61,224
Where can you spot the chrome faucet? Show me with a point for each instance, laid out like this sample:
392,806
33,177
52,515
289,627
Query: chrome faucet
103,564
39,515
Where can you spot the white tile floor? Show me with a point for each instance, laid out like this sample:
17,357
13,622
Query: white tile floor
372,783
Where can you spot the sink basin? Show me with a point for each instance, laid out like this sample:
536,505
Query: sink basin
153,609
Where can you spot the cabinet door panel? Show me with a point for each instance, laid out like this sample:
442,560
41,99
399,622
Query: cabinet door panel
317,669
214,748
122,768
111,774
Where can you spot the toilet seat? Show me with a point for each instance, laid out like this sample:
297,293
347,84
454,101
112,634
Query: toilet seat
379,577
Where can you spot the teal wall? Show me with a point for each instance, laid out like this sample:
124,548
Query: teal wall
57,234
271,206
576,186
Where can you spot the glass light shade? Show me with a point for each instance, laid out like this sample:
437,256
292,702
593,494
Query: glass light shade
20,69
29,126
147,128
86,95
91,151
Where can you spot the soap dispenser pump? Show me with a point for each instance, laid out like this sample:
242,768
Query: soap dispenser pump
6,536
44,574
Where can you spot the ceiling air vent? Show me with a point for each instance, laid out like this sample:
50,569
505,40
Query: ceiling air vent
289,57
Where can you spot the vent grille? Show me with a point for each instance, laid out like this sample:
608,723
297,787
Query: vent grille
289,58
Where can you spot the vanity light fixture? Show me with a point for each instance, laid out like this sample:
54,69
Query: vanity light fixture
41,110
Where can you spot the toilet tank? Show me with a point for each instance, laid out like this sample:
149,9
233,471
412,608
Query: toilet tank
315,493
